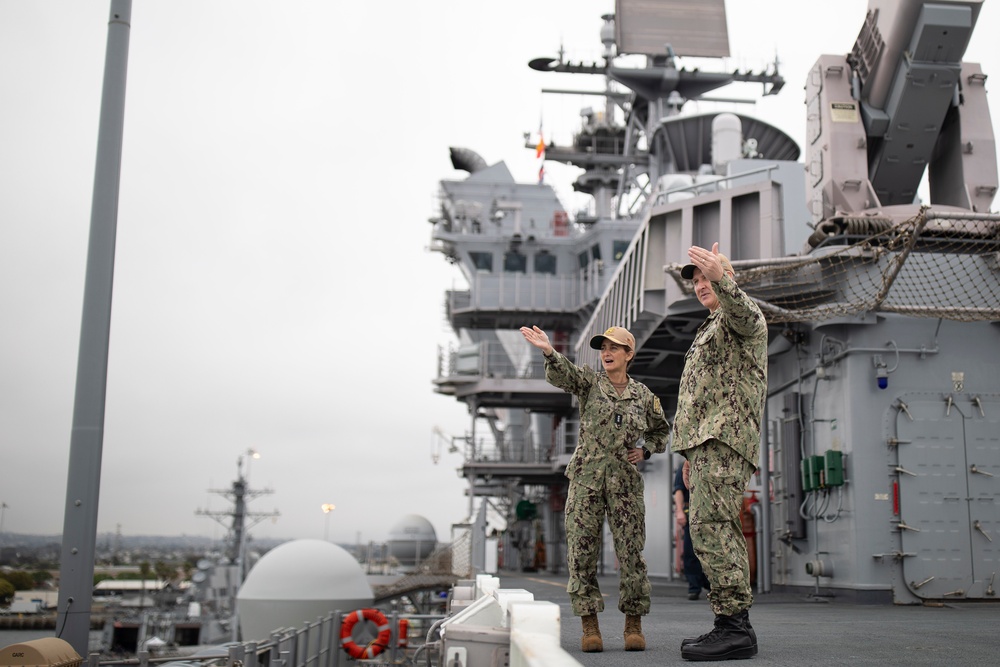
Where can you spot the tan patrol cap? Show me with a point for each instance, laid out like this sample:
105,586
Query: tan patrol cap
688,271
618,335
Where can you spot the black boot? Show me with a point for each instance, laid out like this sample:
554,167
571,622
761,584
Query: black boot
695,640
745,614
729,640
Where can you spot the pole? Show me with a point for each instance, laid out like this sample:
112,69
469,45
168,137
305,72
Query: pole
76,575
3,510
239,528
327,508
764,564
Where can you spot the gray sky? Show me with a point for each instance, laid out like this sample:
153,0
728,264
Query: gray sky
273,287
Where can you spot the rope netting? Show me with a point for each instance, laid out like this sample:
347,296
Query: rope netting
934,264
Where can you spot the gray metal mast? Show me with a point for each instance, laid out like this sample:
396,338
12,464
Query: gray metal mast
76,578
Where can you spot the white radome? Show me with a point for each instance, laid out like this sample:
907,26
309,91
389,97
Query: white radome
411,540
297,582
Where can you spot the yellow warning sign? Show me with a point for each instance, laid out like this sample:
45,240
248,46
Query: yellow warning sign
844,112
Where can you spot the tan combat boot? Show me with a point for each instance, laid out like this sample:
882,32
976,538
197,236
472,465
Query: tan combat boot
634,641
591,641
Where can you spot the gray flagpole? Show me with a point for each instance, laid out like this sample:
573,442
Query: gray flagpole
76,573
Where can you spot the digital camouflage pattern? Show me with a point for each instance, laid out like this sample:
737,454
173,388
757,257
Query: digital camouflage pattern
720,405
718,479
603,482
723,386
609,425
626,513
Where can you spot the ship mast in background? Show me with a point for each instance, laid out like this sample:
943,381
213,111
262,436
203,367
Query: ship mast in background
239,495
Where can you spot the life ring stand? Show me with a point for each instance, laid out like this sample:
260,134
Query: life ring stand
375,646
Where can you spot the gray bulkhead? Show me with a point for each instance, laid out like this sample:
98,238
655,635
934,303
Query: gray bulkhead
916,516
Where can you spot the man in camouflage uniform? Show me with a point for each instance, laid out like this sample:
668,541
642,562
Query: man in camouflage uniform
615,412
720,405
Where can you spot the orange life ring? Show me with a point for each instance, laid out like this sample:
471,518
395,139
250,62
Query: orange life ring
375,646
404,633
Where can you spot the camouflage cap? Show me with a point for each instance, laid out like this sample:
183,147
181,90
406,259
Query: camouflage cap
688,271
618,335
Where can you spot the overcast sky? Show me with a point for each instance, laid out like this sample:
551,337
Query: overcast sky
273,288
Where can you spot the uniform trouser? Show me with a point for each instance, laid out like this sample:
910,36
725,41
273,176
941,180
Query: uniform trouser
626,514
719,477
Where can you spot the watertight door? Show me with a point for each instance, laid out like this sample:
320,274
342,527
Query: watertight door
982,438
949,478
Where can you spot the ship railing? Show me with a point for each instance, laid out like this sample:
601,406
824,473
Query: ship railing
662,237
517,291
716,182
533,638
568,434
486,359
524,448
314,644
521,449
622,302
497,363
318,644
530,627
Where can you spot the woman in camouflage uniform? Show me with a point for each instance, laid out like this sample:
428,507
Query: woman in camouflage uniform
604,482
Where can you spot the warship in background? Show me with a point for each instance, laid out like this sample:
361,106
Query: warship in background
880,472
238,594
205,611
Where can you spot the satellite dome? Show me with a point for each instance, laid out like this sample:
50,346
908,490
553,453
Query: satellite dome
297,582
411,539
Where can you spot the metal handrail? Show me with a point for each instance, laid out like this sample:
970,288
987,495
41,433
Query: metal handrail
315,644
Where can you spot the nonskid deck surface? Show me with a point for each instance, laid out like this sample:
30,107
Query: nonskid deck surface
791,629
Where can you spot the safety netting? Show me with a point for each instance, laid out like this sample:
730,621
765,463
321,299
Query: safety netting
934,264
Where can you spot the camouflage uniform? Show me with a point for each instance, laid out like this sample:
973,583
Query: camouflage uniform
603,483
720,405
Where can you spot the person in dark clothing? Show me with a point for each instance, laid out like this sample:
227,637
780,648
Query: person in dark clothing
692,566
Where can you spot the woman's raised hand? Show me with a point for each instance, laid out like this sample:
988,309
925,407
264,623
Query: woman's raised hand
538,338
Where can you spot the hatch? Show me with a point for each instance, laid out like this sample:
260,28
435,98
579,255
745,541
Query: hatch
949,482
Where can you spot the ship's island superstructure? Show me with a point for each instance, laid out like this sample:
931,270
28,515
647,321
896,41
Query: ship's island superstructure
880,472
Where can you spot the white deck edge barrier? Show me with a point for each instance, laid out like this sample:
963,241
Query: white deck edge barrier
534,625
534,636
